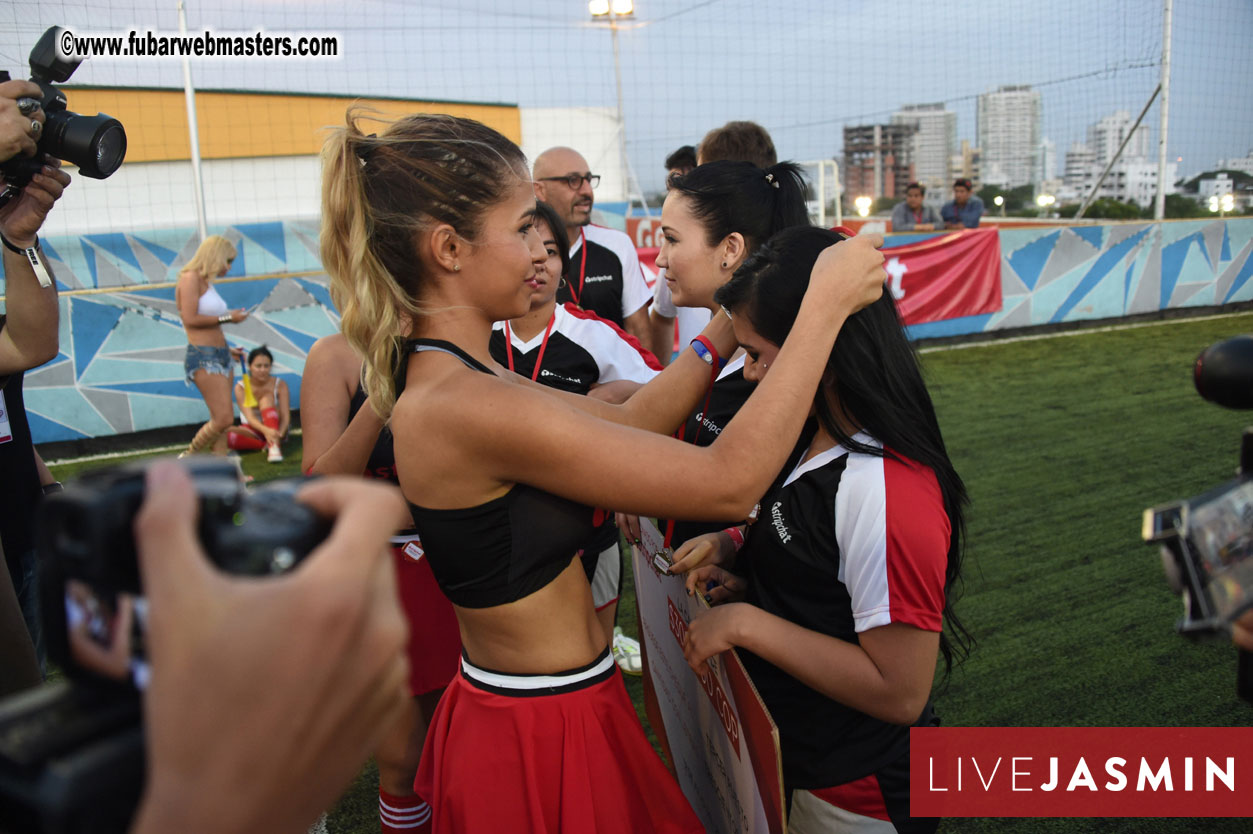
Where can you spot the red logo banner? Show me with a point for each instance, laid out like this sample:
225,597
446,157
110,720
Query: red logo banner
1081,771
946,277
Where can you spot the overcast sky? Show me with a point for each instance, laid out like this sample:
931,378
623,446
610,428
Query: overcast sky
802,69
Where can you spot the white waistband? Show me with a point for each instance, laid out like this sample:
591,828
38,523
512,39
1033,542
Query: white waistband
603,664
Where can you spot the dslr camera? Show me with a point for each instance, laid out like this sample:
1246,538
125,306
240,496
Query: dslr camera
1206,541
96,144
72,753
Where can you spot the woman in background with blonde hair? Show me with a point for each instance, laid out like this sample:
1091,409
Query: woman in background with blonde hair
208,363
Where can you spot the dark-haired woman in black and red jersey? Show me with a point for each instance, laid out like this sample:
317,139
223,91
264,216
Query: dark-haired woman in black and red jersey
848,573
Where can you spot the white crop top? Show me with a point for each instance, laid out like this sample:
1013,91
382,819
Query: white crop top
211,304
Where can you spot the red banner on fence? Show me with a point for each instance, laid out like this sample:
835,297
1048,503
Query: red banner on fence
1081,771
946,277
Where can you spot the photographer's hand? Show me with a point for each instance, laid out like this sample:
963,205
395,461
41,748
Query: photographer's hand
30,335
22,217
16,134
266,694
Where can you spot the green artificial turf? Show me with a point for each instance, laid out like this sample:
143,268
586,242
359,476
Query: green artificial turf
1063,441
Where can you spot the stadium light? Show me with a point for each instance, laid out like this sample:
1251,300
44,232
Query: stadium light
607,13
863,206
1222,204
1045,202
1000,202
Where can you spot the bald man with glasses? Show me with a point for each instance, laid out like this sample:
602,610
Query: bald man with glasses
605,275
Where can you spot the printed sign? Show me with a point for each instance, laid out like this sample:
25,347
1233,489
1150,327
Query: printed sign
724,743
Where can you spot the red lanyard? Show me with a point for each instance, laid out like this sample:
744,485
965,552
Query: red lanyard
582,267
542,347
917,217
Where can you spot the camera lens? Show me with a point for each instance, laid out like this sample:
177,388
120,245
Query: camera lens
96,144
111,148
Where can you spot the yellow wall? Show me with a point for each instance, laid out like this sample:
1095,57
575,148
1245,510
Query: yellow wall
251,124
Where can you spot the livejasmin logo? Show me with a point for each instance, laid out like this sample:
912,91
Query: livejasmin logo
1159,777
1080,771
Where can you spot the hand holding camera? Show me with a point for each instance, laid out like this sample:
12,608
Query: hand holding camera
18,118
306,670
266,642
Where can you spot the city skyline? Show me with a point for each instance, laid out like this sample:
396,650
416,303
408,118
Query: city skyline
803,71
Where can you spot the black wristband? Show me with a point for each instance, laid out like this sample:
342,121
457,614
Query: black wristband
14,248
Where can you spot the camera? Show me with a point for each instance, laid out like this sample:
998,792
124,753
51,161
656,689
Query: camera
1206,542
72,753
96,144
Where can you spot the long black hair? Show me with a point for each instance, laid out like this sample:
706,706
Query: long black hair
557,226
739,197
873,376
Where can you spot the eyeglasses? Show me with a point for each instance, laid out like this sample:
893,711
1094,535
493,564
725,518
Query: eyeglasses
575,180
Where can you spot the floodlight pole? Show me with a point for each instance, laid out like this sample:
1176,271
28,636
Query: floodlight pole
1159,213
617,76
193,132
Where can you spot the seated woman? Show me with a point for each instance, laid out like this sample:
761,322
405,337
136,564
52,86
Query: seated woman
848,575
264,408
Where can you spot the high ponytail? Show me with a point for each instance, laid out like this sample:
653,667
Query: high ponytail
366,294
379,194
729,197
788,207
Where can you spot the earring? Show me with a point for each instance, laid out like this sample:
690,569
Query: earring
456,267
724,264
561,283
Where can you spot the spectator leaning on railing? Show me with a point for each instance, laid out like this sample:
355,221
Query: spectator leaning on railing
912,215
964,210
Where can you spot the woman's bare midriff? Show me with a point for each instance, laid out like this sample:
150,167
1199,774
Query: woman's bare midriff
552,630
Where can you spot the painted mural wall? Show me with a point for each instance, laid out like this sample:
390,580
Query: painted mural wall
120,368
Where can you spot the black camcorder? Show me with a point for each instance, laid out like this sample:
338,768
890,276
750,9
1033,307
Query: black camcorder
1206,541
72,753
96,144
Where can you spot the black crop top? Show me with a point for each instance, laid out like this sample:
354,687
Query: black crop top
508,548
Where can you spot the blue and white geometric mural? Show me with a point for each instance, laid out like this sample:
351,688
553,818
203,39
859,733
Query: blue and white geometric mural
120,368
121,363
1052,275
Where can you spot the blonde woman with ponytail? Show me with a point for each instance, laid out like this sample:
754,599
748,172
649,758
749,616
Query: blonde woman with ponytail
430,222
208,364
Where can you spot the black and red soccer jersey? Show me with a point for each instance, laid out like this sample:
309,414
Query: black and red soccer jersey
846,543
703,426
582,350
605,276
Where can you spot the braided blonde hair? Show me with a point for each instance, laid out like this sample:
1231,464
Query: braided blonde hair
379,194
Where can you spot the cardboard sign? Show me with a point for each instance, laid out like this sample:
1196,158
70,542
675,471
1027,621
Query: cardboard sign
724,743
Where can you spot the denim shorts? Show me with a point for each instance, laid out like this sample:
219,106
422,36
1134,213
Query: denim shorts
215,360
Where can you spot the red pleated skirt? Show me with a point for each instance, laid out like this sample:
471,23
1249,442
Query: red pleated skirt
542,754
434,638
